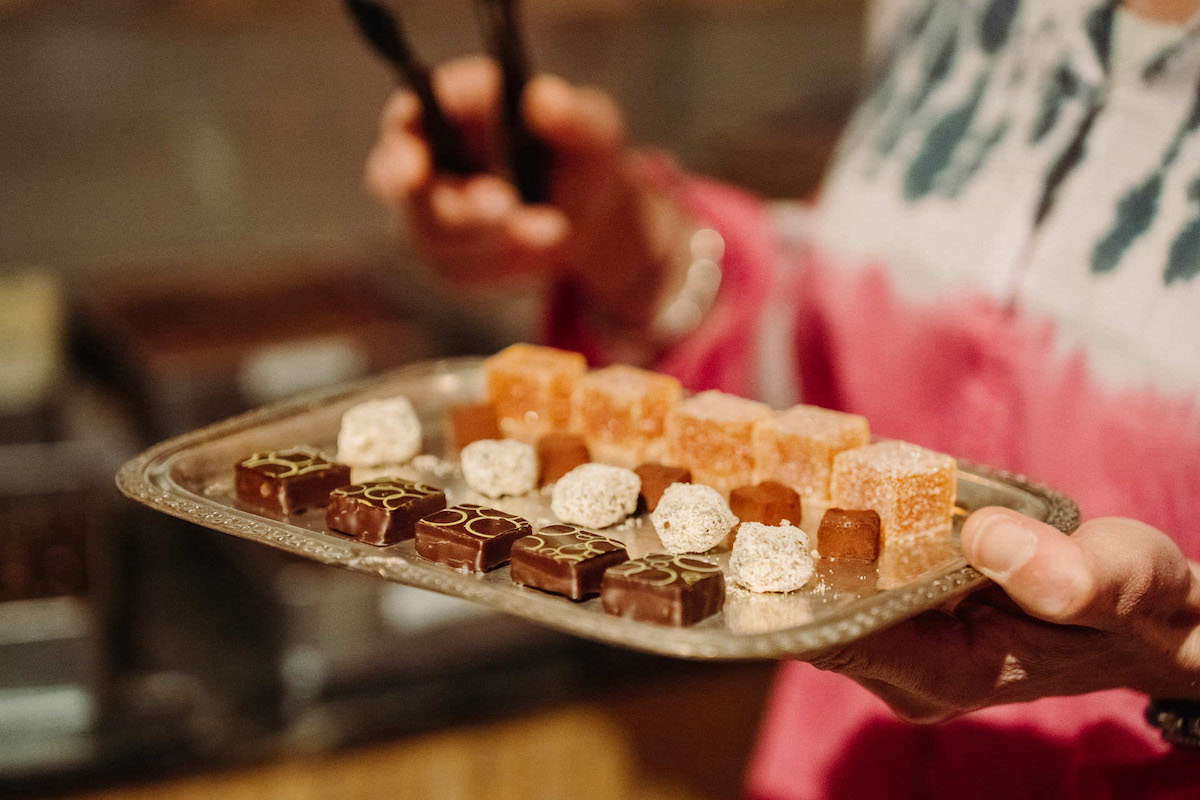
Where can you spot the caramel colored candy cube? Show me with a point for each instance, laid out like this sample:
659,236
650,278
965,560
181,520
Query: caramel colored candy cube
796,447
531,387
911,488
620,411
472,422
558,454
655,480
849,533
711,434
769,502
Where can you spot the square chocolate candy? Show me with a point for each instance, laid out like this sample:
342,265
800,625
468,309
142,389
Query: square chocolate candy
381,512
565,559
288,481
469,536
667,589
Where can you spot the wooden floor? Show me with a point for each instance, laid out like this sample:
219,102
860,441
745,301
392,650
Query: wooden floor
687,740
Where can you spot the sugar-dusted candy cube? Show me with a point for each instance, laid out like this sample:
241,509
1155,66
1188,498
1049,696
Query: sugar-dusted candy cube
911,488
711,434
620,410
796,447
531,387
901,561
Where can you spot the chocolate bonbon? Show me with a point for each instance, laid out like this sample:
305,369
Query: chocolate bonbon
655,480
851,533
288,481
565,559
469,536
381,512
666,589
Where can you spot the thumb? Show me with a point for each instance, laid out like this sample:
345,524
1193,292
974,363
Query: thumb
1112,573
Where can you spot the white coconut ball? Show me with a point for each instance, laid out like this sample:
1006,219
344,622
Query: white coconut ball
771,558
692,518
499,467
595,495
379,432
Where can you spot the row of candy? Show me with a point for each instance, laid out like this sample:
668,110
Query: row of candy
561,559
628,416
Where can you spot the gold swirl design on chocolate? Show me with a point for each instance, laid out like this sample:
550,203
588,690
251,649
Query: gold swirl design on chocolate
484,523
663,569
389,493
297,461
580,544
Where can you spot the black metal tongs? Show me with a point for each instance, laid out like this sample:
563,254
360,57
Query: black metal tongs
527,156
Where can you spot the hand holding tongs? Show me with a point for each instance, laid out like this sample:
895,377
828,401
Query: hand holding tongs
528,157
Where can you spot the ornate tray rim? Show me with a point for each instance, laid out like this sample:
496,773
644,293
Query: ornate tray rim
140,480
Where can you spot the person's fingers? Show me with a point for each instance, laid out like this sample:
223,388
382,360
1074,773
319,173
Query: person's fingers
401,113
1111,573
397,167
539,227
575,121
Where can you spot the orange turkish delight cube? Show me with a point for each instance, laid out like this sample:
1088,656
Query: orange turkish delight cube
711,434
620,412
796,447
530,387
911,488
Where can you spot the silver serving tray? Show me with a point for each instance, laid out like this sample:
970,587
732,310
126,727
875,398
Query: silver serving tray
190,477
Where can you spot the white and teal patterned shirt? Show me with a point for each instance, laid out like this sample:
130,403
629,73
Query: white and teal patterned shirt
1043,153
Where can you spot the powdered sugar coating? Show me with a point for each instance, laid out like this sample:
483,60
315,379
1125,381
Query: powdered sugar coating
692,518
376,432
595,495
771,558
499,467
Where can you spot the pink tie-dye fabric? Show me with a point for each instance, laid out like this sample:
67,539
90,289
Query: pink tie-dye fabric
982,381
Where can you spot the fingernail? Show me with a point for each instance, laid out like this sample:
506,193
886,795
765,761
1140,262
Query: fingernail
1002,546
